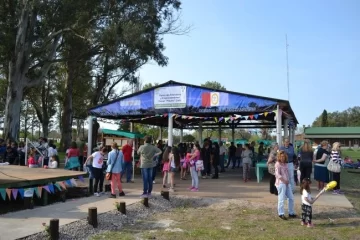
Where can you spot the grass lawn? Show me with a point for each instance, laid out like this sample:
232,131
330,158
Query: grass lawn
238,219
353,154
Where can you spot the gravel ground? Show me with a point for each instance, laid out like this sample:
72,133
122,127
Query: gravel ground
114,220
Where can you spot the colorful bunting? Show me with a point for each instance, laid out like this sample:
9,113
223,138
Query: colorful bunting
8,192
68,182
14,192
216,119
73,182
62,184
51,188
81,178
39,191
21,192
3,193
57,185
46,188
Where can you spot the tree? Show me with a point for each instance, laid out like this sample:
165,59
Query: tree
324,119
188,138
214,85
346,118
149,85
33,32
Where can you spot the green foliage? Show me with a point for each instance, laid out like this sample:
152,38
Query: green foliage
347,118
324,119
214,85
188,138
149,85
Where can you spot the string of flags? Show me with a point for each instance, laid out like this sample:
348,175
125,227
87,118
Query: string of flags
216,119
13,193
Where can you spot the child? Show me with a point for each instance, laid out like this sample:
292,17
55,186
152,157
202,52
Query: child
183,166
31,161
194,175
53,162
307,201
174,159
166,165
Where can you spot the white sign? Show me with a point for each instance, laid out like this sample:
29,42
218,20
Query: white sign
170,97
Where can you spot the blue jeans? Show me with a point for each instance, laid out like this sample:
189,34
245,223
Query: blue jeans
284,191
127,169
291,176
147,180
221,163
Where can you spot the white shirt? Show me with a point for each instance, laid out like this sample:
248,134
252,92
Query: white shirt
222,150
51,152
98,160
172,161
53,164
304,195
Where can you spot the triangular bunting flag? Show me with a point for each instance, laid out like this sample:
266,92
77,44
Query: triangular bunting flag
256,116
21,192
62,184
68,182
265,114
81,178
51,188
73,182
14,193
57,185
3,193
29,192
251,117
216,120
39,191
8,192
47,188
165,115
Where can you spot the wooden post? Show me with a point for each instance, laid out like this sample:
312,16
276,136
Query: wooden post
28,203
165,195
54,229
92,217
122,208
146,202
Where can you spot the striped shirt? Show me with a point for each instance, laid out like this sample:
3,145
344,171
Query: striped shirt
335,156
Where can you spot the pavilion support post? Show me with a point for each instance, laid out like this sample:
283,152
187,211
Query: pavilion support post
160,133
89,147
200,135
278,126
286,128
219,129
131,127
292,139
233,133
90,126
170,129
181,135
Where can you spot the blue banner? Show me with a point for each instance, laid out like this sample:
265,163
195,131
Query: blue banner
183,99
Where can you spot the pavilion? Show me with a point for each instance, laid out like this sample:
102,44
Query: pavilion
185,106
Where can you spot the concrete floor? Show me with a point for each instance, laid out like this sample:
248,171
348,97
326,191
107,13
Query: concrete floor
229,185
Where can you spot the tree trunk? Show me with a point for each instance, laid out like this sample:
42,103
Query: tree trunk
14,97
45,128
67,111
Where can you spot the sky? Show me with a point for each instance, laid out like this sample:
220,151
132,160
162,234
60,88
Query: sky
241,44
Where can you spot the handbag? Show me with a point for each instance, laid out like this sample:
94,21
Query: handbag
271,168
334,167
108,175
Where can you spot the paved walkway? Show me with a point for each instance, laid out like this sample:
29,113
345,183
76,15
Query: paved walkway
24,223
229,185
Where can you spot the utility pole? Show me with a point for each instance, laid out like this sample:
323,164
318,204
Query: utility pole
287,67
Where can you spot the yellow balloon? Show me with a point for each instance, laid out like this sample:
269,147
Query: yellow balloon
331,185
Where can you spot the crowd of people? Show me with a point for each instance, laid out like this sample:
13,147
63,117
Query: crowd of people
283,162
